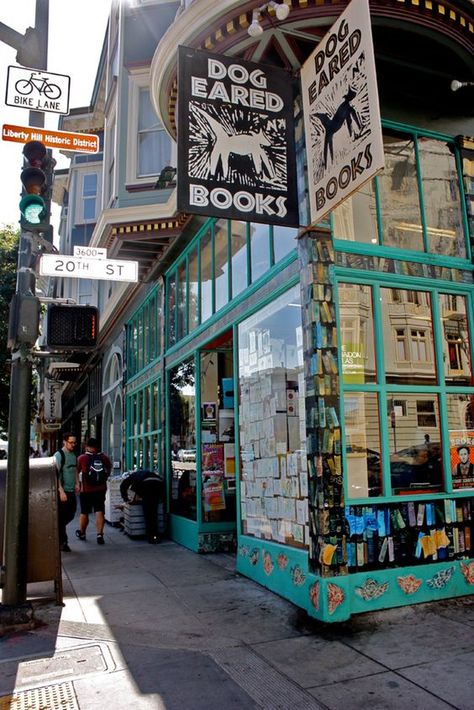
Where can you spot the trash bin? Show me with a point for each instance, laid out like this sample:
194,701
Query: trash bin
44,558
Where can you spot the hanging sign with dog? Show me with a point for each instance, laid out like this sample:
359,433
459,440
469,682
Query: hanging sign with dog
236,156
341,111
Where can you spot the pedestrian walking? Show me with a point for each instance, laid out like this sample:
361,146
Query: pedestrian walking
93,470
68,486
149,486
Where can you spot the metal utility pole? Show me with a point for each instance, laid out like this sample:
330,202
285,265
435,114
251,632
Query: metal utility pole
32,51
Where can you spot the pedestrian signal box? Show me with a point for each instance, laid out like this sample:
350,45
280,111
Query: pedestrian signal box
72,327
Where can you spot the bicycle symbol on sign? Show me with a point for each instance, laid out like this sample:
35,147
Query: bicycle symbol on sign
40,83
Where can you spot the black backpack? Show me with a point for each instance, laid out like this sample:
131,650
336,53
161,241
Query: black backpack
95,473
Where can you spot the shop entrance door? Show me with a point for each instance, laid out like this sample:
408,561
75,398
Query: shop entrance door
202,448
217,439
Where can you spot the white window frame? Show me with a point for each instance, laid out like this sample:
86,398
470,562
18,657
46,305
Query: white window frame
110,164
139,79
82,199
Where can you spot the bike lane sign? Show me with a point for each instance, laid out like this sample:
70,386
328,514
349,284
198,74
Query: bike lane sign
37,90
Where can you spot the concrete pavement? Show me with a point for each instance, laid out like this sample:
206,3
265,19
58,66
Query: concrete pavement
160,627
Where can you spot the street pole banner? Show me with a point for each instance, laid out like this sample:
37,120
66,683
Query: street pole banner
341,111
236,154
52,401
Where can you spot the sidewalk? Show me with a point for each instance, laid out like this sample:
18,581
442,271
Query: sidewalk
147,626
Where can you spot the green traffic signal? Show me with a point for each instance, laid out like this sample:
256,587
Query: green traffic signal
33,210
36,178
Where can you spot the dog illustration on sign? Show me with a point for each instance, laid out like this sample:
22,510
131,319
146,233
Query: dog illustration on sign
344,114
248,143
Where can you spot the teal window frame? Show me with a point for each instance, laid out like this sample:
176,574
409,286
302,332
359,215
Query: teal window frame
382,388
142,334
171,278
413,255
139,436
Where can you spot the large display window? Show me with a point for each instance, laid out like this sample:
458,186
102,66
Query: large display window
403,351
143,421
274,482
221,262
415,203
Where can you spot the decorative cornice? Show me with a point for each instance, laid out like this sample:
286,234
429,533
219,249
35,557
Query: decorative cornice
231,18
168,225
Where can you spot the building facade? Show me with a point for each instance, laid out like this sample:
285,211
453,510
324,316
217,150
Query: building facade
306,391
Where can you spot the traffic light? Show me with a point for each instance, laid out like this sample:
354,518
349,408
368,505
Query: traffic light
72,327
37,178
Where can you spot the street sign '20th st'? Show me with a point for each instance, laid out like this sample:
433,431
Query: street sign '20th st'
88,268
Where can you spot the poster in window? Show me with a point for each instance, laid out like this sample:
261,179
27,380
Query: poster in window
213,490
461,444
236,150
209,411
212,457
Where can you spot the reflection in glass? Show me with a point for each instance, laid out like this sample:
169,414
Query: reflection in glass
460,411
181,330
259,249
408,343
362,435
284,241
140,340
152,326
193,310
274,484
206,277
146,334
456,347
147,420
356,218
442,199
416,460
159,322
238,249
183,440
155,407
398,189
139,412
221,266
171,309
356,333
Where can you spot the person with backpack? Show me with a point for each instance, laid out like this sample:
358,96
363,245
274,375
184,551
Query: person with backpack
93,469
68,486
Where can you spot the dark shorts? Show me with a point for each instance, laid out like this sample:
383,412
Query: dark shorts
92,502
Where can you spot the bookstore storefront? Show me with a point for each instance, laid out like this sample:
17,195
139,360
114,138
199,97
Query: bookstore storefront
377,512
319,400
317,413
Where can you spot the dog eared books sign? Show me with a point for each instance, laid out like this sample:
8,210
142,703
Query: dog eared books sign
236,155
341,111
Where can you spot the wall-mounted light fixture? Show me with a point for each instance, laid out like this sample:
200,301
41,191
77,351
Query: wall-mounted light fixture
455,84
281,10
255,28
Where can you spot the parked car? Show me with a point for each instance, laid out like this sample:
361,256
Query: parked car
187,455
417,467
